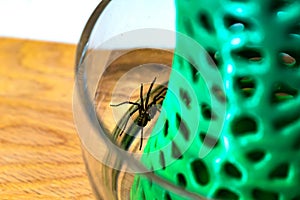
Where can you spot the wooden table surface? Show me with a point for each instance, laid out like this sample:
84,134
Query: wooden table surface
40,155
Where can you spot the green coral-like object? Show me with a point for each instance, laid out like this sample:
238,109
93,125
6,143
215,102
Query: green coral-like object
255,46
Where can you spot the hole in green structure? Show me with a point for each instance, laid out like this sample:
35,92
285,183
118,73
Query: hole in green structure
182,127
194,72
256,155
150,182
296,197
207,112
162,160
166,128
232,170
185,97
206,22
246,86
218,93
188,26
155,145
178,61
287,61
235,24
280,172
181,180
176,151
143,196
167,196
226,194
200,172
260,194
208,140
282,93
278,5
248,54
244,125
294,31
213,58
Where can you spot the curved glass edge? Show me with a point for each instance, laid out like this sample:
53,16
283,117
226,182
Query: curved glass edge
84,38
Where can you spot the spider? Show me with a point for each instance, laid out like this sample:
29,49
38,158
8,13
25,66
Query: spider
146,109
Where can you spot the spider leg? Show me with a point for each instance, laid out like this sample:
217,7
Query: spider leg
142,133
124,127
130,114
148,93
161,97
142,100
125,102
157,97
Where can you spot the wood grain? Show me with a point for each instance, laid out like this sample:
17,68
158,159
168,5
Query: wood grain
40,155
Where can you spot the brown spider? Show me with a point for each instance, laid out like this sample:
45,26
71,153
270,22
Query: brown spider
147,110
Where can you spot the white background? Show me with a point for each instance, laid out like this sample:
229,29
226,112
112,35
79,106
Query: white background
51,20
64,20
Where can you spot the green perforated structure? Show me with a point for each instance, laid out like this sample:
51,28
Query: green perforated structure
255,45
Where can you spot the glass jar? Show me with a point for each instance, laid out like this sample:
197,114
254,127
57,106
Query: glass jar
125,53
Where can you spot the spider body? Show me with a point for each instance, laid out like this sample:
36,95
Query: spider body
147,110
143,119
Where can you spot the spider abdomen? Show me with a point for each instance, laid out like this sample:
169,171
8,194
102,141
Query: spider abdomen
143,119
